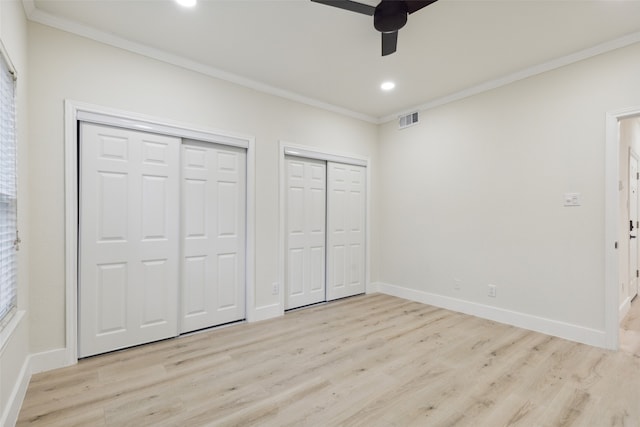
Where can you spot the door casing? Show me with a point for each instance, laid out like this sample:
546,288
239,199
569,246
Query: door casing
633,218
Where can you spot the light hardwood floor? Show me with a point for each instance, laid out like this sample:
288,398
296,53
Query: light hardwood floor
372,360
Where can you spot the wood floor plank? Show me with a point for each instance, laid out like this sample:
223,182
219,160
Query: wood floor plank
372,360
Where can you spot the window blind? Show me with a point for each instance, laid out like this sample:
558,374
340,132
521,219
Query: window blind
8,192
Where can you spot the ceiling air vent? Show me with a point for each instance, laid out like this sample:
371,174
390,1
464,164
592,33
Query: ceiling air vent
407,120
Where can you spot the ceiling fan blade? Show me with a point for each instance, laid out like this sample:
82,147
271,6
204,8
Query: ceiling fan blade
352,6
389,43
416,5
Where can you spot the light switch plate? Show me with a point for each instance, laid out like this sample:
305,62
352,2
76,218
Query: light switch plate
572,199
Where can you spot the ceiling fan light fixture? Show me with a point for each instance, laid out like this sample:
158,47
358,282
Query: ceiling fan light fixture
390,16
387,86
187,3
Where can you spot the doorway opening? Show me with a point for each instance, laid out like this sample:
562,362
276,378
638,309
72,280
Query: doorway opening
622,219
629,243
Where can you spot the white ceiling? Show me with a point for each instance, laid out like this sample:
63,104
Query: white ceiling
331,57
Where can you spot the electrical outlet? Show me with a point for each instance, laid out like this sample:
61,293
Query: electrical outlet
275,289
492,291
457,283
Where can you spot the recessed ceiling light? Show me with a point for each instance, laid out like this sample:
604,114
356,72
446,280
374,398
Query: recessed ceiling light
387,85
187,3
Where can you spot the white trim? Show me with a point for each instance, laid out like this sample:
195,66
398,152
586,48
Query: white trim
291,149
48,360
7,329
12,317
612,224
367,236
282,167
374,287
9,417
74,111
145,124
268,311
71,229
7,59
29,7
36,15
521,75
564,330
129,120
33,364
250,250
634,155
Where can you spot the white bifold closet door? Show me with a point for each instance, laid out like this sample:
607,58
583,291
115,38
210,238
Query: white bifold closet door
213,233
346,209
325,231
305,232
129,238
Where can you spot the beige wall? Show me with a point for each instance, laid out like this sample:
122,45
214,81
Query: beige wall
14,352
65,66
480,196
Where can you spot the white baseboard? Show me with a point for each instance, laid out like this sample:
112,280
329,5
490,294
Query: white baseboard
52,359
556,328
266,312
12,410
34,363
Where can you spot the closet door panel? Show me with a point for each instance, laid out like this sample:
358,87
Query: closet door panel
305,232
128,238
346,210
213,235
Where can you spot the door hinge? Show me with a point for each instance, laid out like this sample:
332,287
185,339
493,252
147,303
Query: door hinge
638,176
637,273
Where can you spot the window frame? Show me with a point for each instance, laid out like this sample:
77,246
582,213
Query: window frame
10,195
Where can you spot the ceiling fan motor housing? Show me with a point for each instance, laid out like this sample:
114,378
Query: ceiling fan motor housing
390,16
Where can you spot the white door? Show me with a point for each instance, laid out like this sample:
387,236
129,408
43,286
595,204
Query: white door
213,235
129,238
346,208
634,236
305,232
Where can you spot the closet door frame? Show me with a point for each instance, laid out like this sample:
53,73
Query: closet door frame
290,149
76,112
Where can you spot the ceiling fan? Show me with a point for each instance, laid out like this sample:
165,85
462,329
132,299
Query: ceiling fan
388,16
